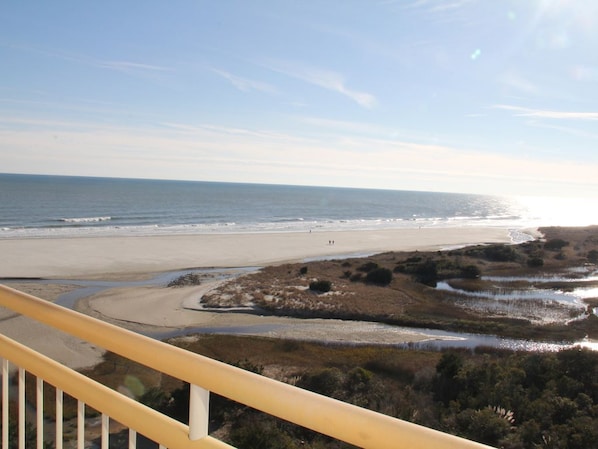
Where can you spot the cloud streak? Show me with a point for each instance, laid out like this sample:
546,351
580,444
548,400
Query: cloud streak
547,113
326,79
129,66
245,84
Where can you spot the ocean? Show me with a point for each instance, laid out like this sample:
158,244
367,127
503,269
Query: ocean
33,206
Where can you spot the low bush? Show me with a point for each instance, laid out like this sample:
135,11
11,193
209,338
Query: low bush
356,277
535,262
471,272
427,273
380,276
320,286
555,244
186,280
368,266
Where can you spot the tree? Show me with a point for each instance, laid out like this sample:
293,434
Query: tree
445,385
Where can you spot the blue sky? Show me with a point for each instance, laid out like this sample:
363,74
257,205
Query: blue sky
458,95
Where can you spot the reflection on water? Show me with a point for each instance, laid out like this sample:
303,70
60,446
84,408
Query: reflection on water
548,211
537,300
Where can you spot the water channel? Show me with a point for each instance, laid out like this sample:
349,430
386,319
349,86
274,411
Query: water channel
432,339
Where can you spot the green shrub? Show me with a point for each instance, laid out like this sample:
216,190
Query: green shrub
380,276
500,253
555,244
427,273
261,433
399,269
303,270
471,272
535,262
358,379
494,253
326,381
483,426
367,267
320,286
248,365
356,277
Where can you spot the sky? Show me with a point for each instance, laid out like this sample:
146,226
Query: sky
477,96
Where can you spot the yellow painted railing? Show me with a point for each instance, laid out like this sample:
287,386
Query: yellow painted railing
345,422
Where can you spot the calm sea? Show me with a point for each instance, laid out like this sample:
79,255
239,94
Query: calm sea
42,206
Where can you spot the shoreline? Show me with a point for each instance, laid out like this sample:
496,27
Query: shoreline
142,308
79,257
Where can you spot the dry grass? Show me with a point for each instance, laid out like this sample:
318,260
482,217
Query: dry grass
284,289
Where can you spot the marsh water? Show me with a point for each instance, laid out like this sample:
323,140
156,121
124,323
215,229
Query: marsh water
555,298
519,302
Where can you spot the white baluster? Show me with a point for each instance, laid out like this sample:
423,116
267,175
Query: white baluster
105,431
21,408
4,404
59,414
39,412
132,439
80,424
199,408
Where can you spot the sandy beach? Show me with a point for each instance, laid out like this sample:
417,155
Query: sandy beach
155,308
117,256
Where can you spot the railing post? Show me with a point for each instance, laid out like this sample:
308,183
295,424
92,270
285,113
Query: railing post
199,409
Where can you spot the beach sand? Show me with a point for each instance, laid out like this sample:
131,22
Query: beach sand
154,309
118,256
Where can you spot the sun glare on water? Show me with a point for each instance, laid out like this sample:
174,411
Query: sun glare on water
559,211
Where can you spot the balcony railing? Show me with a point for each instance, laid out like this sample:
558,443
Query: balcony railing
342,421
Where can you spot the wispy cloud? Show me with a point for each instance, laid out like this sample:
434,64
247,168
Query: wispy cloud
443,6
565,129
122,66
546,113
129,66
432,6
342,125
326,79
231,153
514,81
245,84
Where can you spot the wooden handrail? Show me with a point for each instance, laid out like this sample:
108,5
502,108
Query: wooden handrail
152,424
346,422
